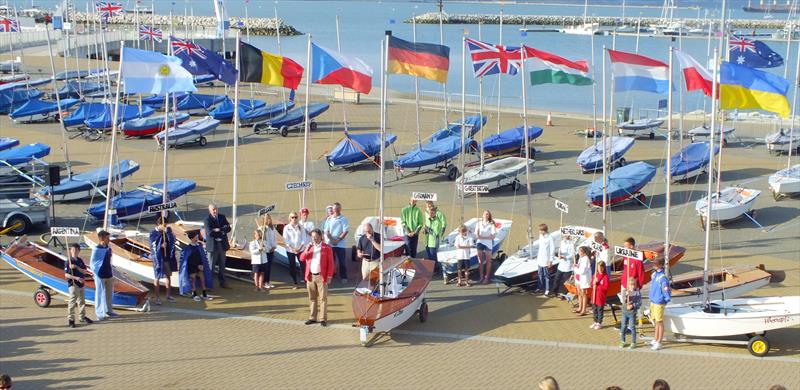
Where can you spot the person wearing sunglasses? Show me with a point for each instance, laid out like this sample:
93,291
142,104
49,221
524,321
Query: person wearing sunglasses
294,237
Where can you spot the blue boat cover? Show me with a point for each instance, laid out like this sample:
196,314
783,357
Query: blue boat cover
138,200
157,101
224,111
84,112
71,74
691,158
25,153
473,122
189,130
511,139
358,147
8,143
623,182
36,106
94,178
151,122
265,112
592,157
14,97
297,115
204,78
432,153
126,112
195,101
74,89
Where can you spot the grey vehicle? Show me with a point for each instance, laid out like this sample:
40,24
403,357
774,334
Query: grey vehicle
19,216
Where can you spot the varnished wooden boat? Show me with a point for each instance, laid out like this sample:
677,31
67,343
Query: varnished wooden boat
406,280
725,283
131,253
46,267
651,252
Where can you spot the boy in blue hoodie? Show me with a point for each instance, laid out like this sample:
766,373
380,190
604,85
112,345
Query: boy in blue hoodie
659,297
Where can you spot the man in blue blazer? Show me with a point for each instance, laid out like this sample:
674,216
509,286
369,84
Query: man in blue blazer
215,231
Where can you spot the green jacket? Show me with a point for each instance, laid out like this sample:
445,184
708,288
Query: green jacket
412,219
435,230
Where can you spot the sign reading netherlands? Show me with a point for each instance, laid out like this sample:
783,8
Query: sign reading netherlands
298,185
65,232
163,206
561,206
632,253
476,188
572,231
266,210
431,196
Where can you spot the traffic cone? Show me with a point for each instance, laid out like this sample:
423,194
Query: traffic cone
549,119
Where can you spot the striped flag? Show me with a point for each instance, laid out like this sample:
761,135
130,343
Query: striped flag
696,75
149,33
426,60
9,25
547,68
633,72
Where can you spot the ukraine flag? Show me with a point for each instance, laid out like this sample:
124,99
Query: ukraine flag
743,87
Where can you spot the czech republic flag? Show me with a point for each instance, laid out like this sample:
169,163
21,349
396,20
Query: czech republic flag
330,67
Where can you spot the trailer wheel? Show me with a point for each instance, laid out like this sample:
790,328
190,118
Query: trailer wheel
758,346
313,126
452,172
203,141
515,184
501,256
532,152
284,131
642,199
423,311
776,196
724,142
23,225
652,135
41,297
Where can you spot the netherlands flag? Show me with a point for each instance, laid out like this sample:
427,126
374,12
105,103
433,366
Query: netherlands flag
330,67
633,72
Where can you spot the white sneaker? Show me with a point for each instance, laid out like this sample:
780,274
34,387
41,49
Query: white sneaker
653,342
197,298
656,346
546,292
592,325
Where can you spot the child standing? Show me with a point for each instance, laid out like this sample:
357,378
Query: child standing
566,257
599,290
193,259
631,299
464,242
583,278
660,295
75,272
257,259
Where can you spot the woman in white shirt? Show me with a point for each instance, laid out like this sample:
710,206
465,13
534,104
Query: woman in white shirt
485,231
270,244
464,242
294,237
258,258
564,269
583,276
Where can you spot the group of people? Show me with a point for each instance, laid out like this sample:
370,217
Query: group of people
550,383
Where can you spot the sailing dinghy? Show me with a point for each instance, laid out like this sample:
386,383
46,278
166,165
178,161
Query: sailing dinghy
130,252
781,141
143,127
447,253
224,111
511,141
498,173
134,204
725,283
637,127
704,132
435,156
393,235
8,143
17,157
729,204
36,110
693,160
591,159
357,148
785,182
88,184
624,184
292,119
187,133
473,123
105,118
199,104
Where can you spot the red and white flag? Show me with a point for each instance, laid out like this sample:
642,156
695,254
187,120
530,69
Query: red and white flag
695,74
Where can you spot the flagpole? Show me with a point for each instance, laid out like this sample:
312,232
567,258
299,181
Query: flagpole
499,73
681,97
611,119
794,105
136,20
58,104
384,82
706,247
280,52
166,126
444,85
341,88
605,131
306,124
153,22
114,137
247,20
480,105
416,81
523,55
669,167
463,119
723,40
235,138
594,95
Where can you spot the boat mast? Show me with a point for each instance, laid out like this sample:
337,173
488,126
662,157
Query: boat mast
706,248
794,130
603,141
463,120
341,88
384,61
164,196
235,188
416,82
669,168
58,104
480,102
790,31
594,96
306,125
114,136
523,56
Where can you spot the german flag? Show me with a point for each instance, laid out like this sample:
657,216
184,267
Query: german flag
425,60
258,66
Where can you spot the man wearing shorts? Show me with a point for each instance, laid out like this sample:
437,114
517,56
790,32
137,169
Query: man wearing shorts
659,297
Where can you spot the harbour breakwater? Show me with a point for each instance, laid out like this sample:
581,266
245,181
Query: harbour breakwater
256,26
559,20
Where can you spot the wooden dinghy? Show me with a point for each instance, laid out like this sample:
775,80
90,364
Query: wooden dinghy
405,280
46,267
725,283
131,253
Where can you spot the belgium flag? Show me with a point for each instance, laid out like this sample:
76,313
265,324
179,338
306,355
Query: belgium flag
258,66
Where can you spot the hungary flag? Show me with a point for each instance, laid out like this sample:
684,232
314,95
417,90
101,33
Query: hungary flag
549,68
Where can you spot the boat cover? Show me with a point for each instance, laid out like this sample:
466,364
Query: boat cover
473,122
95,178
138,200
8,143
510,139
14,97
705,131
38,107
432,153
84,112
157,101
592,157
71,74
691,158
296,115
357,147
224,111
74,89
189,130
495,171
126,112
623,182
265,112
25,153
641,124
137,125
194,101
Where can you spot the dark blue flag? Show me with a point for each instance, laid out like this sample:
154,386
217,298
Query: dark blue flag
199,61
753,54
662,104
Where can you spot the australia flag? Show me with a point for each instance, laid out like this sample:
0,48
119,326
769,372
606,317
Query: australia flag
200,61
753,54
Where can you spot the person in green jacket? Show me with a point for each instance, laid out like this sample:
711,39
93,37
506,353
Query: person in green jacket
412,220
435,225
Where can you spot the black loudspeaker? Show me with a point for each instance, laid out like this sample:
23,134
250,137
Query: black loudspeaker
53,175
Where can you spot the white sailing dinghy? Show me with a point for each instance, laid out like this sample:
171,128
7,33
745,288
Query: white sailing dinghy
785,182
729,204
498,173
447,253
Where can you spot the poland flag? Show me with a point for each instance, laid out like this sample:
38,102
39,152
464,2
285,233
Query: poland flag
696,75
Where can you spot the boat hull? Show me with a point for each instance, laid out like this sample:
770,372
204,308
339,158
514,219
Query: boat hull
733,316
136,265
723,211
446,255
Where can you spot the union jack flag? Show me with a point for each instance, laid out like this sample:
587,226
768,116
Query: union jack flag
186,46
9,25
493,59
741,43
149,33
107,9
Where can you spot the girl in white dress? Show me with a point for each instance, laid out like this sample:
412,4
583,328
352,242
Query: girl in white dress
486,231
583,276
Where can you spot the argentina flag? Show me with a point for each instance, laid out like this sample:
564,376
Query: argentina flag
146,71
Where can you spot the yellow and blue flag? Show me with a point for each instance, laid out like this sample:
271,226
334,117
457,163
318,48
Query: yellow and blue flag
743,87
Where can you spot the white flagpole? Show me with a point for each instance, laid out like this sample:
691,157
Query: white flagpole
235,139
384,82
114,136
794,106
153,22
523,55
306,119
605,132
280,52
58,104
463,120
341,88
416,81
498,74
166,129
444,85
594,94
706,247
480,105
669,167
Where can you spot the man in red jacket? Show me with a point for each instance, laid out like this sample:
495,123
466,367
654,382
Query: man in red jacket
633,269
318,259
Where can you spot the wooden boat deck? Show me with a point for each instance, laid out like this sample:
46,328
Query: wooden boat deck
131,248
367,309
